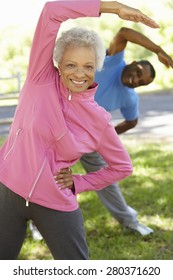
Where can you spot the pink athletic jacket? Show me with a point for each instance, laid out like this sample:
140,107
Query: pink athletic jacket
51,131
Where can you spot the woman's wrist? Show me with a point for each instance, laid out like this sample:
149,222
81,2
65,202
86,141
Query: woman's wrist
110,7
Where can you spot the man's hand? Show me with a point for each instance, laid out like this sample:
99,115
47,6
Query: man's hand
165,59
64,179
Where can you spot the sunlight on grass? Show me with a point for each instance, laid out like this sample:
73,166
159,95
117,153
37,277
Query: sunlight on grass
159,221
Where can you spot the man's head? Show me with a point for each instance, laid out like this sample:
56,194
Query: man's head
138,73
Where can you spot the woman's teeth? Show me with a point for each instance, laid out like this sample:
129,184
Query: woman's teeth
78,83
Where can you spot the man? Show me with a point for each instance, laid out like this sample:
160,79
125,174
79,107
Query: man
116,91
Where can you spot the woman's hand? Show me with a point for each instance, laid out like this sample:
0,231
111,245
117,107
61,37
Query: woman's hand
136,15
64,178
127,13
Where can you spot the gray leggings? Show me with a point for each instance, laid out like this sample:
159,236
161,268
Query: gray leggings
111,196
63,232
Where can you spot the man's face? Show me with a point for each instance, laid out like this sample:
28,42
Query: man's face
136,75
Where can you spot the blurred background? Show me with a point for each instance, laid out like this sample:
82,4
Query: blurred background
18,19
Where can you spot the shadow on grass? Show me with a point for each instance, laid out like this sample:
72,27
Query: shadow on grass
107,240
149,191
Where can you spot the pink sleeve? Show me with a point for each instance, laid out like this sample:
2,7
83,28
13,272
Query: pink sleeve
119,165
40,68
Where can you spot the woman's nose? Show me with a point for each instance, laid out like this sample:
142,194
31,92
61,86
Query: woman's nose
79,72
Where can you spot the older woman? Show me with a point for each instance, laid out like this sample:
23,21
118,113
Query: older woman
56,122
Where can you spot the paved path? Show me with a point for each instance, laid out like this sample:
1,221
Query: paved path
155,122
6,116
156,117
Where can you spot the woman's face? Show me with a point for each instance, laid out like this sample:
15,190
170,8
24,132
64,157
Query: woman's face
77,68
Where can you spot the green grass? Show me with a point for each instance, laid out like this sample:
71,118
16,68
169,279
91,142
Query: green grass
148,190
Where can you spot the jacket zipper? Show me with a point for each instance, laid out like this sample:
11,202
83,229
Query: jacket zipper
39,174
14,141
62,135
69,95
35,182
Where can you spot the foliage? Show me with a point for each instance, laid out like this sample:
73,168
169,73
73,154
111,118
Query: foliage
14,55
15,42
148,190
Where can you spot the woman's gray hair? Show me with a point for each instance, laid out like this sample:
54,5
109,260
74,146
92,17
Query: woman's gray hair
80,37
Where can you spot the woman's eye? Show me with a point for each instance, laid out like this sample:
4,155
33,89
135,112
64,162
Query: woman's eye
89,67
71,66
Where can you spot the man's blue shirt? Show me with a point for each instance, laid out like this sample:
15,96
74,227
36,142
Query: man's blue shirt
111,93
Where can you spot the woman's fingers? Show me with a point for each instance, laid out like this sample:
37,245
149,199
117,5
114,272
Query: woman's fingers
64,178
128,13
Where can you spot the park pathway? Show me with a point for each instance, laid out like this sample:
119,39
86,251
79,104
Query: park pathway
155,120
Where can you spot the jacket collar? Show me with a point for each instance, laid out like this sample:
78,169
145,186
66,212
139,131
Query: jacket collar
86,95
